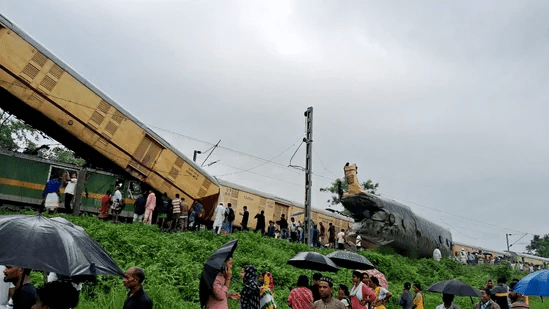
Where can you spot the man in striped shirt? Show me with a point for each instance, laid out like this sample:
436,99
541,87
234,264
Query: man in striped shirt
176,206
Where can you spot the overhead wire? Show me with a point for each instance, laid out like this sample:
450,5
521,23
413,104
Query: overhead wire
246,170
291,183
322,163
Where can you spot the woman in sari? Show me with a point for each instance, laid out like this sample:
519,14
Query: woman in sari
266,293
418,299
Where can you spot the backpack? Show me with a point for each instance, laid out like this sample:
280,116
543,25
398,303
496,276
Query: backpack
231,215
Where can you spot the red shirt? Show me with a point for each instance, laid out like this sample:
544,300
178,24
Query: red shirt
301,298
105,204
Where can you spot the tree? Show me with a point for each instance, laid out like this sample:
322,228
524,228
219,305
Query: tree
341,185
15,135
62,154
539,246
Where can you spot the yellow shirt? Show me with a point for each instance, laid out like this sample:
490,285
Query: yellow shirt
418,300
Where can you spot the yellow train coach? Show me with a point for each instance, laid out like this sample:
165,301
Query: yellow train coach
39,88
273,207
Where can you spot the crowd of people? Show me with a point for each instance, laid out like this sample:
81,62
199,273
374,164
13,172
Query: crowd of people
364,293
258,291
477,257
176,215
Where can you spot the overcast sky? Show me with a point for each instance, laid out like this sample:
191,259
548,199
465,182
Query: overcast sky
444,104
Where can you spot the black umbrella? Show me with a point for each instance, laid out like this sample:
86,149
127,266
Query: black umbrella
350,260
56,245
454,287
213,266
314,261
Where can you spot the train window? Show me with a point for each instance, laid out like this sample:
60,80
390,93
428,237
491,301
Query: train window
440,239
62,173
392,219
120,183
448,242
134,188
403,224
418,233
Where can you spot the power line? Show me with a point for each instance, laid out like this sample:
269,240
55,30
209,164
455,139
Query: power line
319,159
246,170
284,181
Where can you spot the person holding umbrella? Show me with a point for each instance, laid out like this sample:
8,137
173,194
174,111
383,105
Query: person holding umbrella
220,291
485,301
518,300
447,300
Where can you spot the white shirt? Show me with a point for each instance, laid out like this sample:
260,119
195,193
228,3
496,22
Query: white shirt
293,226
437,255
359,241
340,237
117,197
71,185
382,293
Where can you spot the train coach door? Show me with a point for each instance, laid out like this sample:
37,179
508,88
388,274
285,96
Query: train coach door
145,155
279,210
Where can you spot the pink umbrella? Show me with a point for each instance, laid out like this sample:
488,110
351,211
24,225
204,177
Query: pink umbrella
379,275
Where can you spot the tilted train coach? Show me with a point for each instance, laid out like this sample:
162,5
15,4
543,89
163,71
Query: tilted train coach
39,88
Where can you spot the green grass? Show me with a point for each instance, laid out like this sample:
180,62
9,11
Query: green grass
173,264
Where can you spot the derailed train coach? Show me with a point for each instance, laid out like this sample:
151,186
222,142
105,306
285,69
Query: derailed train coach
39,88
384,222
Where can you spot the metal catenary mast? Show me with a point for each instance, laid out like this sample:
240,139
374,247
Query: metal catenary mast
308,172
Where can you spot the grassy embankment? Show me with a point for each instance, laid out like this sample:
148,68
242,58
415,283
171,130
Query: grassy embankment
173,263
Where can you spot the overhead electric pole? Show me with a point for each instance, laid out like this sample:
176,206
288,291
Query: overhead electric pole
308,172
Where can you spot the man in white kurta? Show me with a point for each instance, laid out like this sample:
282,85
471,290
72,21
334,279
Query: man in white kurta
219,213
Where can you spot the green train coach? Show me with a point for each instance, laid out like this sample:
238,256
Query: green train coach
23,178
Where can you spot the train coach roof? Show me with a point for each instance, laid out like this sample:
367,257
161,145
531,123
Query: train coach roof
481,249
279,199
534,257
8,24
34,158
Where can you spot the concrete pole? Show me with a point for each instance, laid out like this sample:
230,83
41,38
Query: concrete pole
80,180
